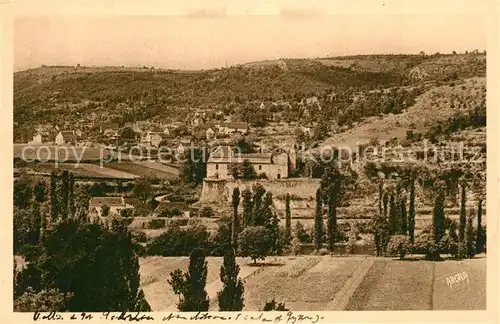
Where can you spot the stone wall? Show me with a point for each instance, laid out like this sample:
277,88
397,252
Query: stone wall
302,191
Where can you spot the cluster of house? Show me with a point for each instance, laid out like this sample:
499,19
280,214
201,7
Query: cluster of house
226,129
60,138
148,134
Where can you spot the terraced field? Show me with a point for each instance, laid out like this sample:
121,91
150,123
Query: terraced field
83,170
314,283
145,169
42,152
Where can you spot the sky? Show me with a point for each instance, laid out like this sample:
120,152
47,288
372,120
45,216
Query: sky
184,42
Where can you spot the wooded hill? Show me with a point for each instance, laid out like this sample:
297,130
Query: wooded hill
56,93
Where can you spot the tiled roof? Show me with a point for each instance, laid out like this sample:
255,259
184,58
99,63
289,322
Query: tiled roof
68,134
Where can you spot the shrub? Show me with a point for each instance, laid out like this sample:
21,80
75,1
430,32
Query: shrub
169,212
295,246
179,242
323,251
156,224
176,222
44,301
399,245
207,211
425,244
126,212
301,233
140,237
351,243
461,250
274,306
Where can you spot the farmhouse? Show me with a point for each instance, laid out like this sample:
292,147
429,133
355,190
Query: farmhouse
210,134
274,166
155,138
116,206
41,137
66,137
233,127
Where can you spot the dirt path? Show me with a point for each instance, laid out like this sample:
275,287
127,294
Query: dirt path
344,295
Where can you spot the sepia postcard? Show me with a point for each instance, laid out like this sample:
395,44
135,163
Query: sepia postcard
250,161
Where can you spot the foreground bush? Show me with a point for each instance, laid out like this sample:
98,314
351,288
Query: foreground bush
43,301
94,267
425,244
255,242
179,242
399,245
274,306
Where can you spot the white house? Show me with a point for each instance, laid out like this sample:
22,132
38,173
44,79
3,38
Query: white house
116,206
66,137
210,134
40,137
233,127
274,166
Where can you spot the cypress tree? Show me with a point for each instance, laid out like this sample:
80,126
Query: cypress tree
247,208
470,237
385,201
318,221
404,225
393,216
479,236
332,214
438,216
411,219
274,229
65,194
288,220
231,296
380,196
54,198
71,195
463,216
235,229
191,285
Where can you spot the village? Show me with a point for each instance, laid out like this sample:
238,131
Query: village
313,183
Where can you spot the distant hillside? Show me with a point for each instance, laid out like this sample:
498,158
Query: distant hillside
60,95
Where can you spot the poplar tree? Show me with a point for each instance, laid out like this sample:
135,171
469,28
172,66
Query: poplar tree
235,229
65,194
403,217
190,286
288,220
318,221
479,236
71,195
54,196
247,208
393,220
231,296
463,215
411,218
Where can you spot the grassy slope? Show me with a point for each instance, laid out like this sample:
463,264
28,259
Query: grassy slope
430,107
421,285
303,283
309,283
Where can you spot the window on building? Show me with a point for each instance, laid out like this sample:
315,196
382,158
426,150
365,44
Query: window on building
278,176
216,167
260,167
